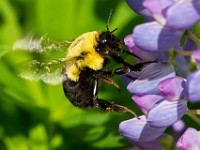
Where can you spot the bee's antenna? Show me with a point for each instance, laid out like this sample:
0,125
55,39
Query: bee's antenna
108,22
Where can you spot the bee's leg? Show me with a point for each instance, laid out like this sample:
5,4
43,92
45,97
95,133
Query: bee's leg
135,67
110,73
128,52
109,81
107,106
95,88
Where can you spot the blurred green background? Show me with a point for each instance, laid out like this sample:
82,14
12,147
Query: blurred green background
37,116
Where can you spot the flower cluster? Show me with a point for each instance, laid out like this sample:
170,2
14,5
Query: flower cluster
162,90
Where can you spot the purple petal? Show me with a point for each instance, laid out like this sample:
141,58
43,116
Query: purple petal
153,145
183,14
149,78
155,38
165,113
128,40
189,44
179,126
145,102
190,140
137,6
192,87
144,55
157,9
183,66
172,88
127,80
137,130
196,55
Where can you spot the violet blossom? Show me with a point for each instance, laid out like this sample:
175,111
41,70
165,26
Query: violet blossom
163,90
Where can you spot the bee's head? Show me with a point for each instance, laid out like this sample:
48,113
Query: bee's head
109,41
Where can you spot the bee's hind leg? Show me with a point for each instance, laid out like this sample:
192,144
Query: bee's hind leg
107,106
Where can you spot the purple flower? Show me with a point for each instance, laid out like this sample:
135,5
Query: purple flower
184,62
137,6
179,126
162,90
144,55
157,9
145,102
149,78
165,113
172,88
152,145
183,14
190,140
177,15
156,38
138,130
192,87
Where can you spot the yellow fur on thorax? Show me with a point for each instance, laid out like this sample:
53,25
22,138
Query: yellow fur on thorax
85,43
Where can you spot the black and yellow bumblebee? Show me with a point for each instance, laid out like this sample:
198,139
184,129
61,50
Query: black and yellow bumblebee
82,68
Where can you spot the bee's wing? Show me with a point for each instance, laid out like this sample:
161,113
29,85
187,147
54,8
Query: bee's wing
49,71
41,45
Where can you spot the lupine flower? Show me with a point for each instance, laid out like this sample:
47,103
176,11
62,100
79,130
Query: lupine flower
165,113
178,15
149,78
178,126
138,130
156,37
162,90
190,140
137,6
146,102
172,88
192,87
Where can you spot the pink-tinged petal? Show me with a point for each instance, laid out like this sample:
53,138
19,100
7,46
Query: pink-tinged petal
149,78
157,9
172,88
137,130
165,113
144,55
128,40
183,14
155,38
192,87
179,126
145,102
196,55
190,140
137,6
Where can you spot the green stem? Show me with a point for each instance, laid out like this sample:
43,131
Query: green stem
184,53
173,53
193,37
194,112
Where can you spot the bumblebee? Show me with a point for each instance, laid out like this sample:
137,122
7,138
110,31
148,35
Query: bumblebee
82,68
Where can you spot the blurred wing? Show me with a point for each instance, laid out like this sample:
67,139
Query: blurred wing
49,71
41,45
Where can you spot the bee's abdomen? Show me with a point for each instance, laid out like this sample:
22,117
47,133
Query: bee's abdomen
79,92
